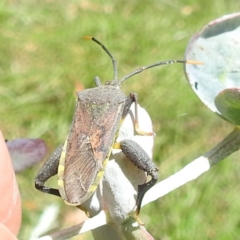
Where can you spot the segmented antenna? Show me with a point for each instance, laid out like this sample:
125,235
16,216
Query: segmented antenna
139,70
114,62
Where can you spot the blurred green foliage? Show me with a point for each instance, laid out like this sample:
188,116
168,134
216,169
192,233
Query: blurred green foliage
44,61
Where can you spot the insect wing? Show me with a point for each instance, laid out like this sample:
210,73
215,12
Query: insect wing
92,134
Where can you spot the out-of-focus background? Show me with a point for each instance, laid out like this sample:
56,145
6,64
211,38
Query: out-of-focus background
44,61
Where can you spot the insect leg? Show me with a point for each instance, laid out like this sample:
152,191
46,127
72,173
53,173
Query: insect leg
133,98
49,169
139,158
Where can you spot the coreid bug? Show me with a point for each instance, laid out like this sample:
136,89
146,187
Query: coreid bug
81,161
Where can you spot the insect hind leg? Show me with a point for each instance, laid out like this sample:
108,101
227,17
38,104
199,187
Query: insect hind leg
49,169
139,158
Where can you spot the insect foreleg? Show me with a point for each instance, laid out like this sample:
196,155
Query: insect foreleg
133,98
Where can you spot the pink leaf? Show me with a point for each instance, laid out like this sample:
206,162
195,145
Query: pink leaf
26,152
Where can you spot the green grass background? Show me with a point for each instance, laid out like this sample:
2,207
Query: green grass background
42,59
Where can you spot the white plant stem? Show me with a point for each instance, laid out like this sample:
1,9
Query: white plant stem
89,224
196,168
190,172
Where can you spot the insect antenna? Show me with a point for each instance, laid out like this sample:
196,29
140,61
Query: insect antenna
139,70
114,62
